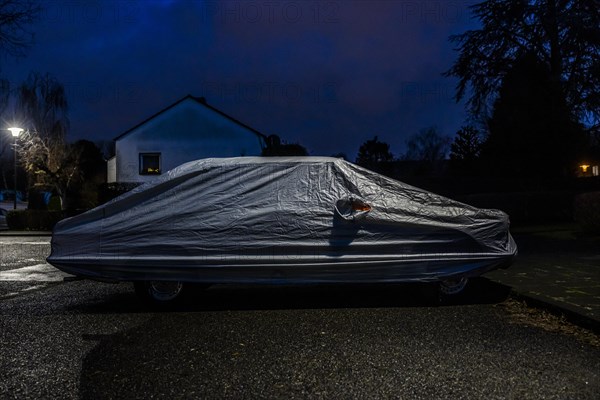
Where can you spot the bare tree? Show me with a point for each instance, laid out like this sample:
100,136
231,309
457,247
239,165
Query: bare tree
50,162
43,151
15,36
563,34
427,145
43,102
15,18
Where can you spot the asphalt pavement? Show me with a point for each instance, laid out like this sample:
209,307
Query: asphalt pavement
84,339
89,340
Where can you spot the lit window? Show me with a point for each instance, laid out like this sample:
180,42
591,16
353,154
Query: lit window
595,170
149,163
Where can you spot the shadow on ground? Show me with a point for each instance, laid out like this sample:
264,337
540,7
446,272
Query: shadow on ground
283,297
351,341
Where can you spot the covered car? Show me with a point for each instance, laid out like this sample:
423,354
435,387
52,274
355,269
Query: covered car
288,220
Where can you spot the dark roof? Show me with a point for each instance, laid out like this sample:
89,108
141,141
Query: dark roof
199,100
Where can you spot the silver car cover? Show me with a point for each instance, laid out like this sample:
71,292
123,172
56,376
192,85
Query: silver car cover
295,219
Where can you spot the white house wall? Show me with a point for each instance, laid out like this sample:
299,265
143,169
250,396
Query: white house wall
111,170
186,132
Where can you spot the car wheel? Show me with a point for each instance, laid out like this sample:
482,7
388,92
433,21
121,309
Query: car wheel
451,287
159,293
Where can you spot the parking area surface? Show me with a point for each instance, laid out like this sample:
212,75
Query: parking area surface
83,339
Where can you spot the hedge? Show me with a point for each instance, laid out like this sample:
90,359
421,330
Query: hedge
33,220
527,207
587,211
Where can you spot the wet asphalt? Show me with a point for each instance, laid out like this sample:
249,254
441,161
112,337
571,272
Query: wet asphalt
89,340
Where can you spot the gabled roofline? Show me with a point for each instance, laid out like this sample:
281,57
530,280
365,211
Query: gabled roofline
199,100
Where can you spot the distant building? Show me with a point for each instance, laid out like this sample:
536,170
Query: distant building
589,168
187,130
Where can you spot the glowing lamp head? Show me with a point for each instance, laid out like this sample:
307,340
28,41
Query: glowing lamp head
584,167
15,131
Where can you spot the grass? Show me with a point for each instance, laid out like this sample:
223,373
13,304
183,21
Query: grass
521,314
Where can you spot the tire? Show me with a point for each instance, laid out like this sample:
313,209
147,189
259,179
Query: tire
453,287
160,293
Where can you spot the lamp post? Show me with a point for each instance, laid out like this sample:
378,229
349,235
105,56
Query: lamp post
15,132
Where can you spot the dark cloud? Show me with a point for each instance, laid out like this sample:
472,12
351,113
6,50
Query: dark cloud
327,74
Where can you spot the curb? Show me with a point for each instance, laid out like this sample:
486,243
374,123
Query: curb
559,310
570,313
25,233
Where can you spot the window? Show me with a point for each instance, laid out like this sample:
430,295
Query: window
149,163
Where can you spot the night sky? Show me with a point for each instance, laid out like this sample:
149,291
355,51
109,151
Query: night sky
326,74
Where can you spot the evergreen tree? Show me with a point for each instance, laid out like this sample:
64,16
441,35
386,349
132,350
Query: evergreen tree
532,131
465,150
466,145
373,153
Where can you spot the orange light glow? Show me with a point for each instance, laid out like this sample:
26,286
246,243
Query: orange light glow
360,206
584,167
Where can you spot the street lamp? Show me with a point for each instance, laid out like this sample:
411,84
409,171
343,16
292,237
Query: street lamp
15,132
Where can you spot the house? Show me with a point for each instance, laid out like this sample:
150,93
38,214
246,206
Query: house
187,130
587,169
